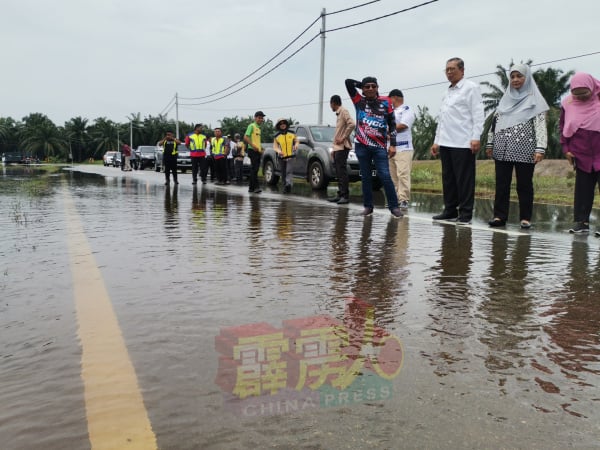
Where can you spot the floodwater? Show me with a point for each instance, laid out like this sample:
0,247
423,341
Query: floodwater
133,315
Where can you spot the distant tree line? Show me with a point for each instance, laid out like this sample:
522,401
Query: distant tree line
81,139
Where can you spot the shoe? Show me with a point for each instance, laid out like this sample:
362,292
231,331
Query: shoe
167,183
404,204
203,181
525,224
287,189
597,234
257,191
446,216
368,211
497,222
397,213
335,199
463,221
176,182
343,201
580,227
194,182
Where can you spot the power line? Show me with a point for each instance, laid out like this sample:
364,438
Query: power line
278,53
295,53
381,17
404,89
168,105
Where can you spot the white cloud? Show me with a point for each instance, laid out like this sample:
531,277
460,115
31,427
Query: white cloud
95,58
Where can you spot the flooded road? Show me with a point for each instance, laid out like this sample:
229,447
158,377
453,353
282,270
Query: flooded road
134,315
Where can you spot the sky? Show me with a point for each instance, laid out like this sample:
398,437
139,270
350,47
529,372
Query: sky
115,58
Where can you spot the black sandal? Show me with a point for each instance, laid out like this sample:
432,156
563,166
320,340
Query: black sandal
497,222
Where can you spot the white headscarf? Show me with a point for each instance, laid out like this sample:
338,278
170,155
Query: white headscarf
518,106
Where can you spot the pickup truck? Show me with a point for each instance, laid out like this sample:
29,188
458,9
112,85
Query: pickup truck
313,161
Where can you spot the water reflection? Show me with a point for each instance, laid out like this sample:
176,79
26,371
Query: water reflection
450,298
380,267
573,329
508,306
171,213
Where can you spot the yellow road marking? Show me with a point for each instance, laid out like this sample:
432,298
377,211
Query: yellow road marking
116,415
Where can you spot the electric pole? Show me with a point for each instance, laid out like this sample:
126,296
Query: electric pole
322,74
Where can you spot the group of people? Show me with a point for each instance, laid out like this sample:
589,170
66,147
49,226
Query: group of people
222,156
517,141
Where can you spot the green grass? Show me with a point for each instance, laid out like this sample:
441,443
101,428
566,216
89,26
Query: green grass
426,176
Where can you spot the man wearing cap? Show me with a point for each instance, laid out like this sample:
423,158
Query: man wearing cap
252,140
374,123
196,144
401,162
457,141
344,126
285,145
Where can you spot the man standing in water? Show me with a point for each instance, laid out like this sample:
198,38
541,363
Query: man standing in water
374,124
457,141
254,148
169,145
344,126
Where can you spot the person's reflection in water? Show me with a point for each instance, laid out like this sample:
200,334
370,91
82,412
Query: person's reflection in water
573,330
381,268
507,308
254,231
341,261
199,217
171,214
451,299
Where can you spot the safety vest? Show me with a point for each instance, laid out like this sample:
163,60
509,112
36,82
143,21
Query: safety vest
171,151
217,147
286,143
197,145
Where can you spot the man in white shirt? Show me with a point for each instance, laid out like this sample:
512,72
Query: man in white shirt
457,141
401,162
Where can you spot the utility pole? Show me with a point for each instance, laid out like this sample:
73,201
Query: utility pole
322,74
177,116
117,149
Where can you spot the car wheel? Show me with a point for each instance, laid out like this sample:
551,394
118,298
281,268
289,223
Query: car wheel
316,176
269,173
183,170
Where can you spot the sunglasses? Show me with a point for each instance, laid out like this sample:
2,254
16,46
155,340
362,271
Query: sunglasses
369,86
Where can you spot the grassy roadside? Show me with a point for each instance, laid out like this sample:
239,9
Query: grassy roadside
553,181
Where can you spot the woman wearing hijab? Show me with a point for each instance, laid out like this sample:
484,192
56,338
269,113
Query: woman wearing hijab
580,140
517,139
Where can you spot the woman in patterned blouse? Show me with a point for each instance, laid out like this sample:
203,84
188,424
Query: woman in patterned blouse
517,138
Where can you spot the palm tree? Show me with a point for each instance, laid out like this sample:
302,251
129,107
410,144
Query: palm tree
553,84
104,136
76,131
45,139
423,132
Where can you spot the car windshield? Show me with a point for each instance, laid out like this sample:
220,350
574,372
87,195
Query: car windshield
147,149
322,134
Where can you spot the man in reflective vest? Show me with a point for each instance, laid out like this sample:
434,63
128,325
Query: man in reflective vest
219,152
196,143
169,145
